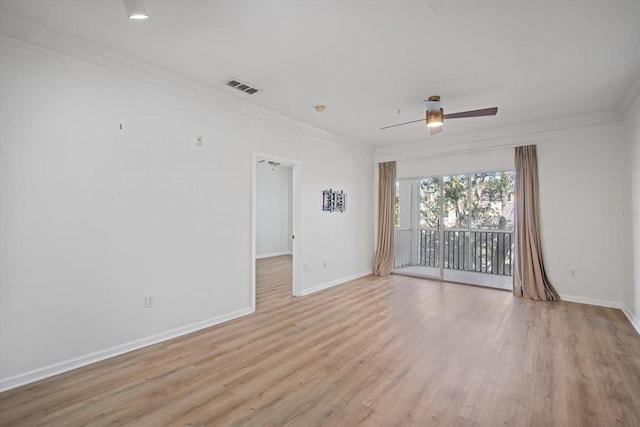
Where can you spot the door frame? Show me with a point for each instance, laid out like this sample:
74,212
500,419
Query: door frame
296,167
439,229
442,229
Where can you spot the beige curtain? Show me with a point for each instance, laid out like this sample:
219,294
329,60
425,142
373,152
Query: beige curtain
386,209
530,279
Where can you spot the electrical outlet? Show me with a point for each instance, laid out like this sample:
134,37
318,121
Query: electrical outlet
573,272
199,141
324,264
148,301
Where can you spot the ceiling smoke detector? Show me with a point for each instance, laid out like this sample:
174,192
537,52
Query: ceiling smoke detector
242,87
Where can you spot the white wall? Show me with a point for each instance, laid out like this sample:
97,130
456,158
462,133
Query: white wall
273,210
93,217
482,161
582,200
583,193
632,137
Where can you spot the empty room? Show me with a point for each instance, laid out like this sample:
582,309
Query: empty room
301,213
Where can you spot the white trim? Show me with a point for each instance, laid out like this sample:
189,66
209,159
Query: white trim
335,282
14,26
77,362
591,301
296,228
274,254
296,174
489,139
635,322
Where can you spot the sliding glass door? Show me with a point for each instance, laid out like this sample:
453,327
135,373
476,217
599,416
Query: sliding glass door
457,228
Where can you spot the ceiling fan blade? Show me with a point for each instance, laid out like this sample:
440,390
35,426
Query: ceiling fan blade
473,113
435,131
405,123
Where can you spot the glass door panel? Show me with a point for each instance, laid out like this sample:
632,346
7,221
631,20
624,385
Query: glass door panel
429,215
492,222
456,221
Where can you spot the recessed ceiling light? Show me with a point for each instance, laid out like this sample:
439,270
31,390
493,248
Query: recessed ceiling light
320,108
136,9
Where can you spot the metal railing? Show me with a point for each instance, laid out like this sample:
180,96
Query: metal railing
402,247
429,247
483,251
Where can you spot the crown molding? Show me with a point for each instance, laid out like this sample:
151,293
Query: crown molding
16,27
489,139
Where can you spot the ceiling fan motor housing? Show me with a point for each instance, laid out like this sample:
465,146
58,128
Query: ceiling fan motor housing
435,114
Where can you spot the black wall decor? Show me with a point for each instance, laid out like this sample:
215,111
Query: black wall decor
334,201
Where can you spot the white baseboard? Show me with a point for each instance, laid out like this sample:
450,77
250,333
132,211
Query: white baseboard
591,301
635,322
632,318
68,365
335,282
273,254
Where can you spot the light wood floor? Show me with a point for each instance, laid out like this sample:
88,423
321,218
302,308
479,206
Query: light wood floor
377,351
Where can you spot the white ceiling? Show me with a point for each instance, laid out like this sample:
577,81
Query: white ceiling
535,60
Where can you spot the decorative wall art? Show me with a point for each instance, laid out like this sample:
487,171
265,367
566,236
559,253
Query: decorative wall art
334,201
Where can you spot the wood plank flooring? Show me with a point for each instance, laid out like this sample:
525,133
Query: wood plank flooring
389,351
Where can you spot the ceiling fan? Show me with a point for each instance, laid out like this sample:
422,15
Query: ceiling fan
435,115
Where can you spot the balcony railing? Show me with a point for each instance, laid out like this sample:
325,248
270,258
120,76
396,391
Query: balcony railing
482,251
429,247
402,247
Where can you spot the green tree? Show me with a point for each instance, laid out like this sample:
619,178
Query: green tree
456,200
487,205
490,193
429,202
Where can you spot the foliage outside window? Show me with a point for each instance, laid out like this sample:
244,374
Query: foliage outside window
429,202
477,201
396,216
456,201
492,200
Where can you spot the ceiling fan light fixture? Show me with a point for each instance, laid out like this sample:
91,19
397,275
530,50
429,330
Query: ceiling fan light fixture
435,118
136,9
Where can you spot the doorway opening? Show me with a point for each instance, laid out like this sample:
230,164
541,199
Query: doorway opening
457,228
275,221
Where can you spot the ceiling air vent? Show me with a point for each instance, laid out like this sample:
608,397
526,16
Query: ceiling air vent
242,87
